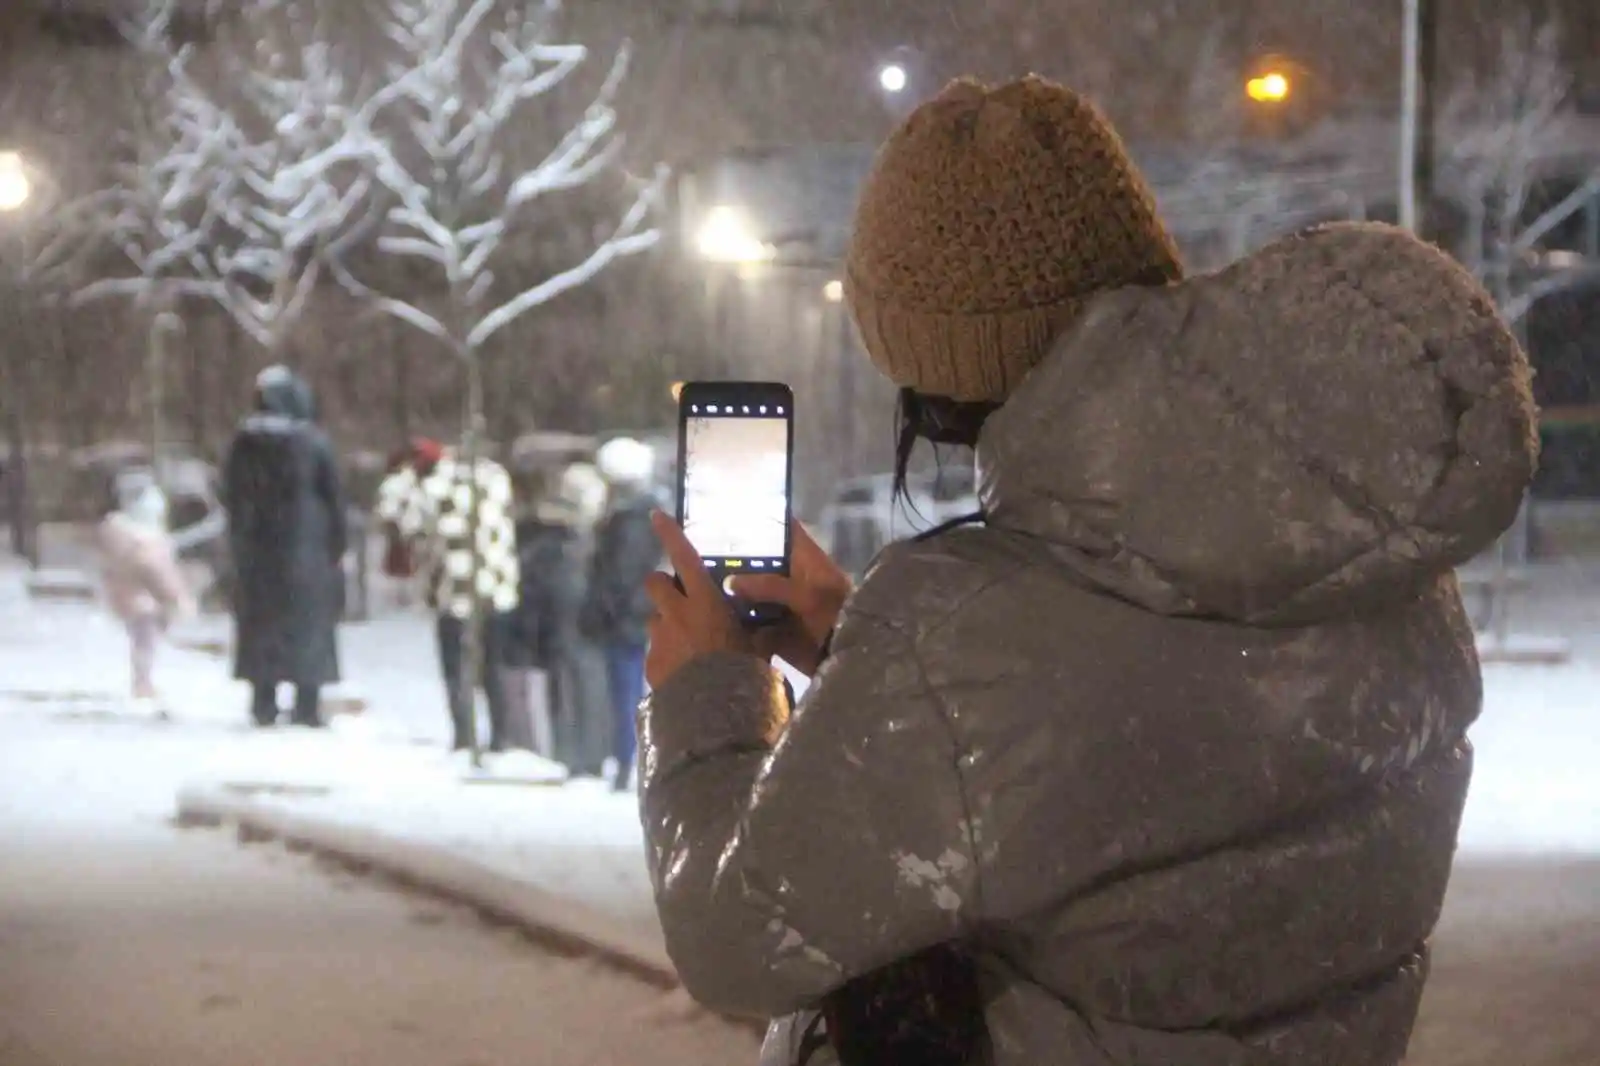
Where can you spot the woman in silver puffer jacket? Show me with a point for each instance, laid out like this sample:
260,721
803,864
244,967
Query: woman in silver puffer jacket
1162,762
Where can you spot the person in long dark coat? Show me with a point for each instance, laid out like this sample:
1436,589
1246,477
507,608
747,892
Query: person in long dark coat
287,531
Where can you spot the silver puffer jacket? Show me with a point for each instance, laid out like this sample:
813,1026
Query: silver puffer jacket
1174,746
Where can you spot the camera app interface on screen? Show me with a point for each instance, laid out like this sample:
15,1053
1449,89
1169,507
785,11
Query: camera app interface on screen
735,487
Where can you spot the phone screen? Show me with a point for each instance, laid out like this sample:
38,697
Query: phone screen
735,490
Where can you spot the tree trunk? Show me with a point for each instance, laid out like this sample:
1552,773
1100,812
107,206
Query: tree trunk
472,643
199,401
402,385
155,369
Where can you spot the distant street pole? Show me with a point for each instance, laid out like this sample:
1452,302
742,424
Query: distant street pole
1418,107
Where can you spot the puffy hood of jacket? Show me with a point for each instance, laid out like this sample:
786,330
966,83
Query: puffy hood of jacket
1174,747
1324,427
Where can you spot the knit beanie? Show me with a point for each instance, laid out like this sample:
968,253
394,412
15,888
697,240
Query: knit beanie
988,219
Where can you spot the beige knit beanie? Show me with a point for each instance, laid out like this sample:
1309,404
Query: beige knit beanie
988,219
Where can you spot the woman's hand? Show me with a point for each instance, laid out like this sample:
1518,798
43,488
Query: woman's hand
697,621
814,590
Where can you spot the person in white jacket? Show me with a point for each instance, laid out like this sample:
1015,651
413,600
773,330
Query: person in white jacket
143,585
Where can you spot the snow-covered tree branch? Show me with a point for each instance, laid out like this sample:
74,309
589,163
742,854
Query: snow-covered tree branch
1503,129
214,201
456,90
156,212
456,87
285,220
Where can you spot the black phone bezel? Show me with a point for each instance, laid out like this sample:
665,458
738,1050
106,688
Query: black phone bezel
740,393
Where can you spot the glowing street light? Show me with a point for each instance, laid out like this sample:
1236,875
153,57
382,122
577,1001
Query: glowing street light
728,237
833,291
893,78
16,188
1272,87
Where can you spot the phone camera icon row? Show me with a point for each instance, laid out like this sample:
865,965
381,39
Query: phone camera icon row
730,409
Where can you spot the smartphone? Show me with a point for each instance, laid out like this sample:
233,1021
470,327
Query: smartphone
736,481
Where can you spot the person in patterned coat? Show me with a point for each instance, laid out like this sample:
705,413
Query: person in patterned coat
428,501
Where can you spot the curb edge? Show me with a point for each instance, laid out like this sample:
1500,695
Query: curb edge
565,926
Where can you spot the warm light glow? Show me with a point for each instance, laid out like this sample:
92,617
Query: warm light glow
677,391
833,291
15,188
1269,88
727,237
893,78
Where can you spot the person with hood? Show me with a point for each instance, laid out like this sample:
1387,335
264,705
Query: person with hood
616,608
1161,759
286,526
144,586
554,544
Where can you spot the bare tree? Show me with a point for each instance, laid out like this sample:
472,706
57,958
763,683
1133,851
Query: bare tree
1504,129
285,220
457,88
158,214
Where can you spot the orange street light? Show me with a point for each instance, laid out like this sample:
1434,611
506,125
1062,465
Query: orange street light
1270,88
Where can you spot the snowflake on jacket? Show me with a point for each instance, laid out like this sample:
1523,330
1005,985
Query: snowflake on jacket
431,512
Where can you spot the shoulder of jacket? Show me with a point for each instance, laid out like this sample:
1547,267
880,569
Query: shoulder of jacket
921,583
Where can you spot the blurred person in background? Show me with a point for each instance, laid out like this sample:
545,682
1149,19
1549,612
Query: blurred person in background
398,561
1160,758
143,583
616,609
428,503
287,530
554,543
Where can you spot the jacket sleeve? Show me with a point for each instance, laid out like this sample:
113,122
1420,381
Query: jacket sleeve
791,856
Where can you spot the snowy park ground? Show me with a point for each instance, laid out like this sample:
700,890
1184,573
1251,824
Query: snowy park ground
1518,953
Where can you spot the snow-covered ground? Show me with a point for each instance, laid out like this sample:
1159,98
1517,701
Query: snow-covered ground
1524,908
1535,789
126,942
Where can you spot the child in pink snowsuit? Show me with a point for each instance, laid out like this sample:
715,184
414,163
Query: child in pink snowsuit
143,584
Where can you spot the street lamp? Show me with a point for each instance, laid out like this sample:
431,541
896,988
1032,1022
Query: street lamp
833,291
16,188
893,78
1273,87
726,236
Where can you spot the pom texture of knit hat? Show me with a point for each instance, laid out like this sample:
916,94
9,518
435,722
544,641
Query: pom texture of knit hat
988,219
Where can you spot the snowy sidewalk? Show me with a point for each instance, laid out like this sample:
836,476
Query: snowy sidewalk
1535,794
